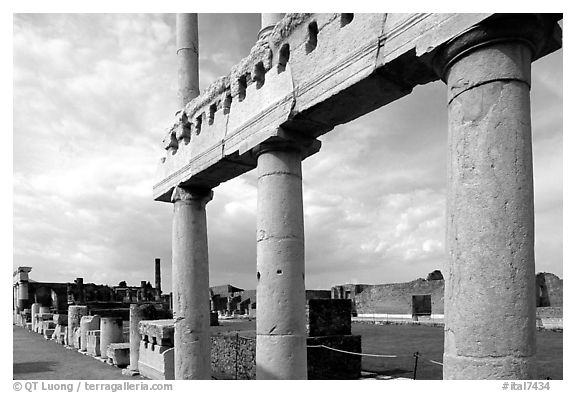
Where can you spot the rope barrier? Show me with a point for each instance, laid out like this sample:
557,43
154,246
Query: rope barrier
352,353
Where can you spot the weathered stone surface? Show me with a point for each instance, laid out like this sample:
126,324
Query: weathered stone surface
75,314
373,60
159,332
93,343
490,309
233,356
191,286
277,359
325,363
280,264
119,354
87,323
327,317
156,361
140,312
110,333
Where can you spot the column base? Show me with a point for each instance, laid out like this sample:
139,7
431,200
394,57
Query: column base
506,367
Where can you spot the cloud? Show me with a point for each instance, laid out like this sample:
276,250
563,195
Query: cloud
92,96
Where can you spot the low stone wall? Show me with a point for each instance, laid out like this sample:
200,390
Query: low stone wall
233,356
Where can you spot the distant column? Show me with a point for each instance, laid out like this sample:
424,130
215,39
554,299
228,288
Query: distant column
80,289
191,284
158,279
489,297
110,333
187,53
75,314
280,293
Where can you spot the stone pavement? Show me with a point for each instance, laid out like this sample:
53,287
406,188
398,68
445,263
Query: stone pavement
38,358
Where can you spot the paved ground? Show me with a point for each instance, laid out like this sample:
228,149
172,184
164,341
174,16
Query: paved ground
37,358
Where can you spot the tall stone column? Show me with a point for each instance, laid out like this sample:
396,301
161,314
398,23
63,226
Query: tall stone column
191,284
280,293
490,311
268,21
187,54
157,279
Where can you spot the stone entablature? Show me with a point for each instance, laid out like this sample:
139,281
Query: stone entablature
296,78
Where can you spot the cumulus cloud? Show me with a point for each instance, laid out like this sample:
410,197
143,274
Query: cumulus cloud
92,96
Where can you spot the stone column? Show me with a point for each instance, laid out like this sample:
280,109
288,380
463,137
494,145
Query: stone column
87,323
138,312
35,309
110,333
187,53
280,293
75,314
268,21
490,311
157,279
80,289
191,284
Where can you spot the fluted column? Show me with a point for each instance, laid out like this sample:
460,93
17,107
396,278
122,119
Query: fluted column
489,299
191,284
280,293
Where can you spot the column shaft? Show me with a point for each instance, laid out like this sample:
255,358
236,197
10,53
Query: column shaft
281,299
489,300
191,285
187,53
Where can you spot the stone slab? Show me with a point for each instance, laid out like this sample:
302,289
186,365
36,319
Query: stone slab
119,354
159,331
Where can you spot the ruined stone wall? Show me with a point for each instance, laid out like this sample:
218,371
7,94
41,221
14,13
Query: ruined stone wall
397,298
549,290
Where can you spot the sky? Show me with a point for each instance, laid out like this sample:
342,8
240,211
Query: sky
93,94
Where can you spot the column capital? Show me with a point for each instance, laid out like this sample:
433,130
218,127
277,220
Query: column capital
186,194
533,30
288,141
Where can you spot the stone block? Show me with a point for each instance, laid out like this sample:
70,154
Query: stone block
327,317
76,337
29,326
119,354
93,343
156,358
158,332
87,323
325,363
156,361
213,319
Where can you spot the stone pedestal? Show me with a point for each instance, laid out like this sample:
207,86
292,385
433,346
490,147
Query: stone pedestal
280,293
489,298
93,343
110,333
35,309
87,323
119,354
139,312
156,353
191,284
75,314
